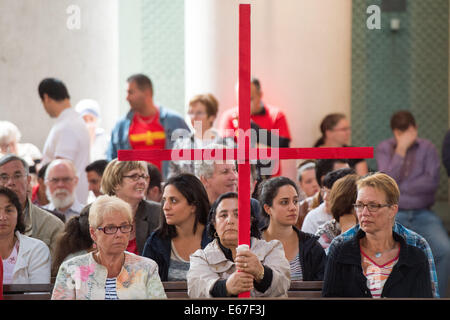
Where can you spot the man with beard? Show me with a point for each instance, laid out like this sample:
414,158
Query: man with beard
61,180
39,224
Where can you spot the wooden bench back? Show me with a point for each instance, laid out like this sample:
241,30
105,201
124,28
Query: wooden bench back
173,289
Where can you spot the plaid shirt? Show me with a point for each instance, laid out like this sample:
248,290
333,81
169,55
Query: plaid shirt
410,237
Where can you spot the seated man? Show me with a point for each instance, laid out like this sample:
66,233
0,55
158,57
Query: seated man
219,177
39,224
154,191
94,173
414,164
61,180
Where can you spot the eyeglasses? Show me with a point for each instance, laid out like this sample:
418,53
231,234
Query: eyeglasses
4,178
196,114
136,177
113,229
372,207
343,129
64,180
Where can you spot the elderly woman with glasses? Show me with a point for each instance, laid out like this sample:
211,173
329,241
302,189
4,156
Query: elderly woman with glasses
377,262
128,180
110,272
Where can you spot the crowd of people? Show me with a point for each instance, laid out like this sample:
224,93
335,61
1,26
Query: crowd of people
100,228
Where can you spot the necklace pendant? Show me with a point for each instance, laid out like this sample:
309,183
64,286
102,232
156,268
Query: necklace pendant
378,254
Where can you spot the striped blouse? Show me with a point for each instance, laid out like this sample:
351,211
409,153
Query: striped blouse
110,289
377,275
296,269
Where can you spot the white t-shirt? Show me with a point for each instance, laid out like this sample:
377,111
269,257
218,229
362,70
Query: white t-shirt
315,218
69,139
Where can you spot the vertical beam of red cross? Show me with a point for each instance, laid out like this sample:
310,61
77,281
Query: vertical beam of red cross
244,125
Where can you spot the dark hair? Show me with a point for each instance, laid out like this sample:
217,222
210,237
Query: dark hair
74,238
12,197
41,172
328,123
254,230
193,190
343,195
155,176
54,88
333,176
142,81
269,190
256,83
402,120
323,166
98,166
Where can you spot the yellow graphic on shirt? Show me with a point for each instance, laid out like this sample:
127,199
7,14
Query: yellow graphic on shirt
148,137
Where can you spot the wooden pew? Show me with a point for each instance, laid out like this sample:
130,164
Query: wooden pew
173,289
305,289
27,291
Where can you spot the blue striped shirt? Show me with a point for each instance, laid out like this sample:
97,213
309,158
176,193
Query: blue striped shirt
110,289
412,238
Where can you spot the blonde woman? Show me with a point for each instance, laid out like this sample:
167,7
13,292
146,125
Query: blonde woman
110,272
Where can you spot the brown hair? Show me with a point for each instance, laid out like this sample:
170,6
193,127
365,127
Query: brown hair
114,172
384,183
342,196
328,123
209,101
402,120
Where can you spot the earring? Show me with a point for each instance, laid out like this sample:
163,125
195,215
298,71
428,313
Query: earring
215,234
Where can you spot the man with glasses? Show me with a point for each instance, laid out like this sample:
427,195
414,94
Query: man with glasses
61,181
39,224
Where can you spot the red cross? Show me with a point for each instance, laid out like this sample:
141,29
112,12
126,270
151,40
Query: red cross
244,153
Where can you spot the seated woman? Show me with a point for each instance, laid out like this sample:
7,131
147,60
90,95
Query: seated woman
341,199
377,262
75,240
184,211
219,270
279,199
25,260
128,180
109,273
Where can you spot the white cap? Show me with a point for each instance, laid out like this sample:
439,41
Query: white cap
88,106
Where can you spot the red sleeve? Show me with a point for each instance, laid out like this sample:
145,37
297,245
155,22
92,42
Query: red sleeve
1,279
282,125
226,123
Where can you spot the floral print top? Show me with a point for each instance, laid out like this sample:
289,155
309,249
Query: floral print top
82,278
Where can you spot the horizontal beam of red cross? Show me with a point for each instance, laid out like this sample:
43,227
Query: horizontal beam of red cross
253,154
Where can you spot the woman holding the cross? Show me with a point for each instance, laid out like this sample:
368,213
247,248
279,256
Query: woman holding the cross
222,270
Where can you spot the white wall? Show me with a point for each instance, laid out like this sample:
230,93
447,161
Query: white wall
301,52
36,43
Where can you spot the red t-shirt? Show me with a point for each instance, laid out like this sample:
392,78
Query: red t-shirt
1,279
269,118
132,246
147,133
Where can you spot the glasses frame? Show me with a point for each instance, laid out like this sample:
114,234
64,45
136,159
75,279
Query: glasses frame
136,177
359,207
4,178
116,228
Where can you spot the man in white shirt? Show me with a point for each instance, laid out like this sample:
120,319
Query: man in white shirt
69,137
61,180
